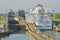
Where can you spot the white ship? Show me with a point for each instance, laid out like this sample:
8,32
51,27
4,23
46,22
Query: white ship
40,17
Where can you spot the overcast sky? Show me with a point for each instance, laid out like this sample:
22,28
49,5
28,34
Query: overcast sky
27,4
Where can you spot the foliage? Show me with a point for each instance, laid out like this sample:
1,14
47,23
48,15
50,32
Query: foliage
56,17
2,20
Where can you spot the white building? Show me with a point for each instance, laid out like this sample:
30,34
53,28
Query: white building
40,17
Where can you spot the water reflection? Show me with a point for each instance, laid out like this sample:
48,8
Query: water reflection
18,36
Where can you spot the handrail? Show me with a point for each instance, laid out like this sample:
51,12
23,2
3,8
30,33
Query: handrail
36,33
42,35
48,35
32,31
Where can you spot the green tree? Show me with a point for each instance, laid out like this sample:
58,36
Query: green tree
57,16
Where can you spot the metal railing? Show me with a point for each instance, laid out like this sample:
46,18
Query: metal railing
44,36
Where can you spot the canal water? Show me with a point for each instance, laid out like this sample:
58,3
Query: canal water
52,33
18,36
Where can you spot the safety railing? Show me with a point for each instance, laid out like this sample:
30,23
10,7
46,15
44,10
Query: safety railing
44,36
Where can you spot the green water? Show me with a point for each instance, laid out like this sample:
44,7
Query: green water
18,36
